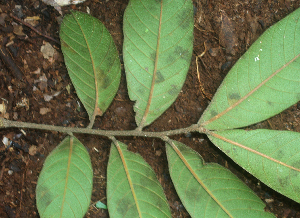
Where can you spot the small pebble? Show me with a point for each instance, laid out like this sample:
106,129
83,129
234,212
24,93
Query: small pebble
18,11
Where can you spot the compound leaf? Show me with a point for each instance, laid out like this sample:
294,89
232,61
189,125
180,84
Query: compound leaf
92,61
271,156
157,50
64,187
265,81
132,187
210,190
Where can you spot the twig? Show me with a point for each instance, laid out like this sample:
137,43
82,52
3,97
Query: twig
107,133
208,96
9,62
34,29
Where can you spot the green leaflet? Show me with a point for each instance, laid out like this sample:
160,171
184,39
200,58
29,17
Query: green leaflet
158,44
92,61
271,156
210,190
64,187
132,187
265,81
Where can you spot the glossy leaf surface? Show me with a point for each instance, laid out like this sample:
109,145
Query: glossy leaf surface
64,187
132,187
265,81
210,190
271,156
92,61
158,44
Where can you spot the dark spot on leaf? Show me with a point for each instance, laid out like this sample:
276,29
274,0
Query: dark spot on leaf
234,96
183,149
152,56
227,151
284,181
213,113
184,53
45,196
184,17
171,58
296,164
149,181
160,203
110,61
193,194
159,77
106,82
269,103
141,91
280,154
124,206
174,91
103,81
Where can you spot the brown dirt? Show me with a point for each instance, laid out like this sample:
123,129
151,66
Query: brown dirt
226,28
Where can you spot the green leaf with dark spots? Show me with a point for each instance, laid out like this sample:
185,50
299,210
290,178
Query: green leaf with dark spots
132,187
64,187
92,61
210,190
271,156
158,44
264,82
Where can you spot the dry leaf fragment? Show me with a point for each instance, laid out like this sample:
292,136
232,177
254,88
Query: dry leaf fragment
49,97
227,34
33,21
18,30
32,150
2,19
47,50
56,3
44,110
2,108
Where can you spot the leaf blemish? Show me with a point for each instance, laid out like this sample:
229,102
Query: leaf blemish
213,113
174,90
103,79
159,77
182,52
234,96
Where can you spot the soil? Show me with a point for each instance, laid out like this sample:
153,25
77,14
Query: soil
41,92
